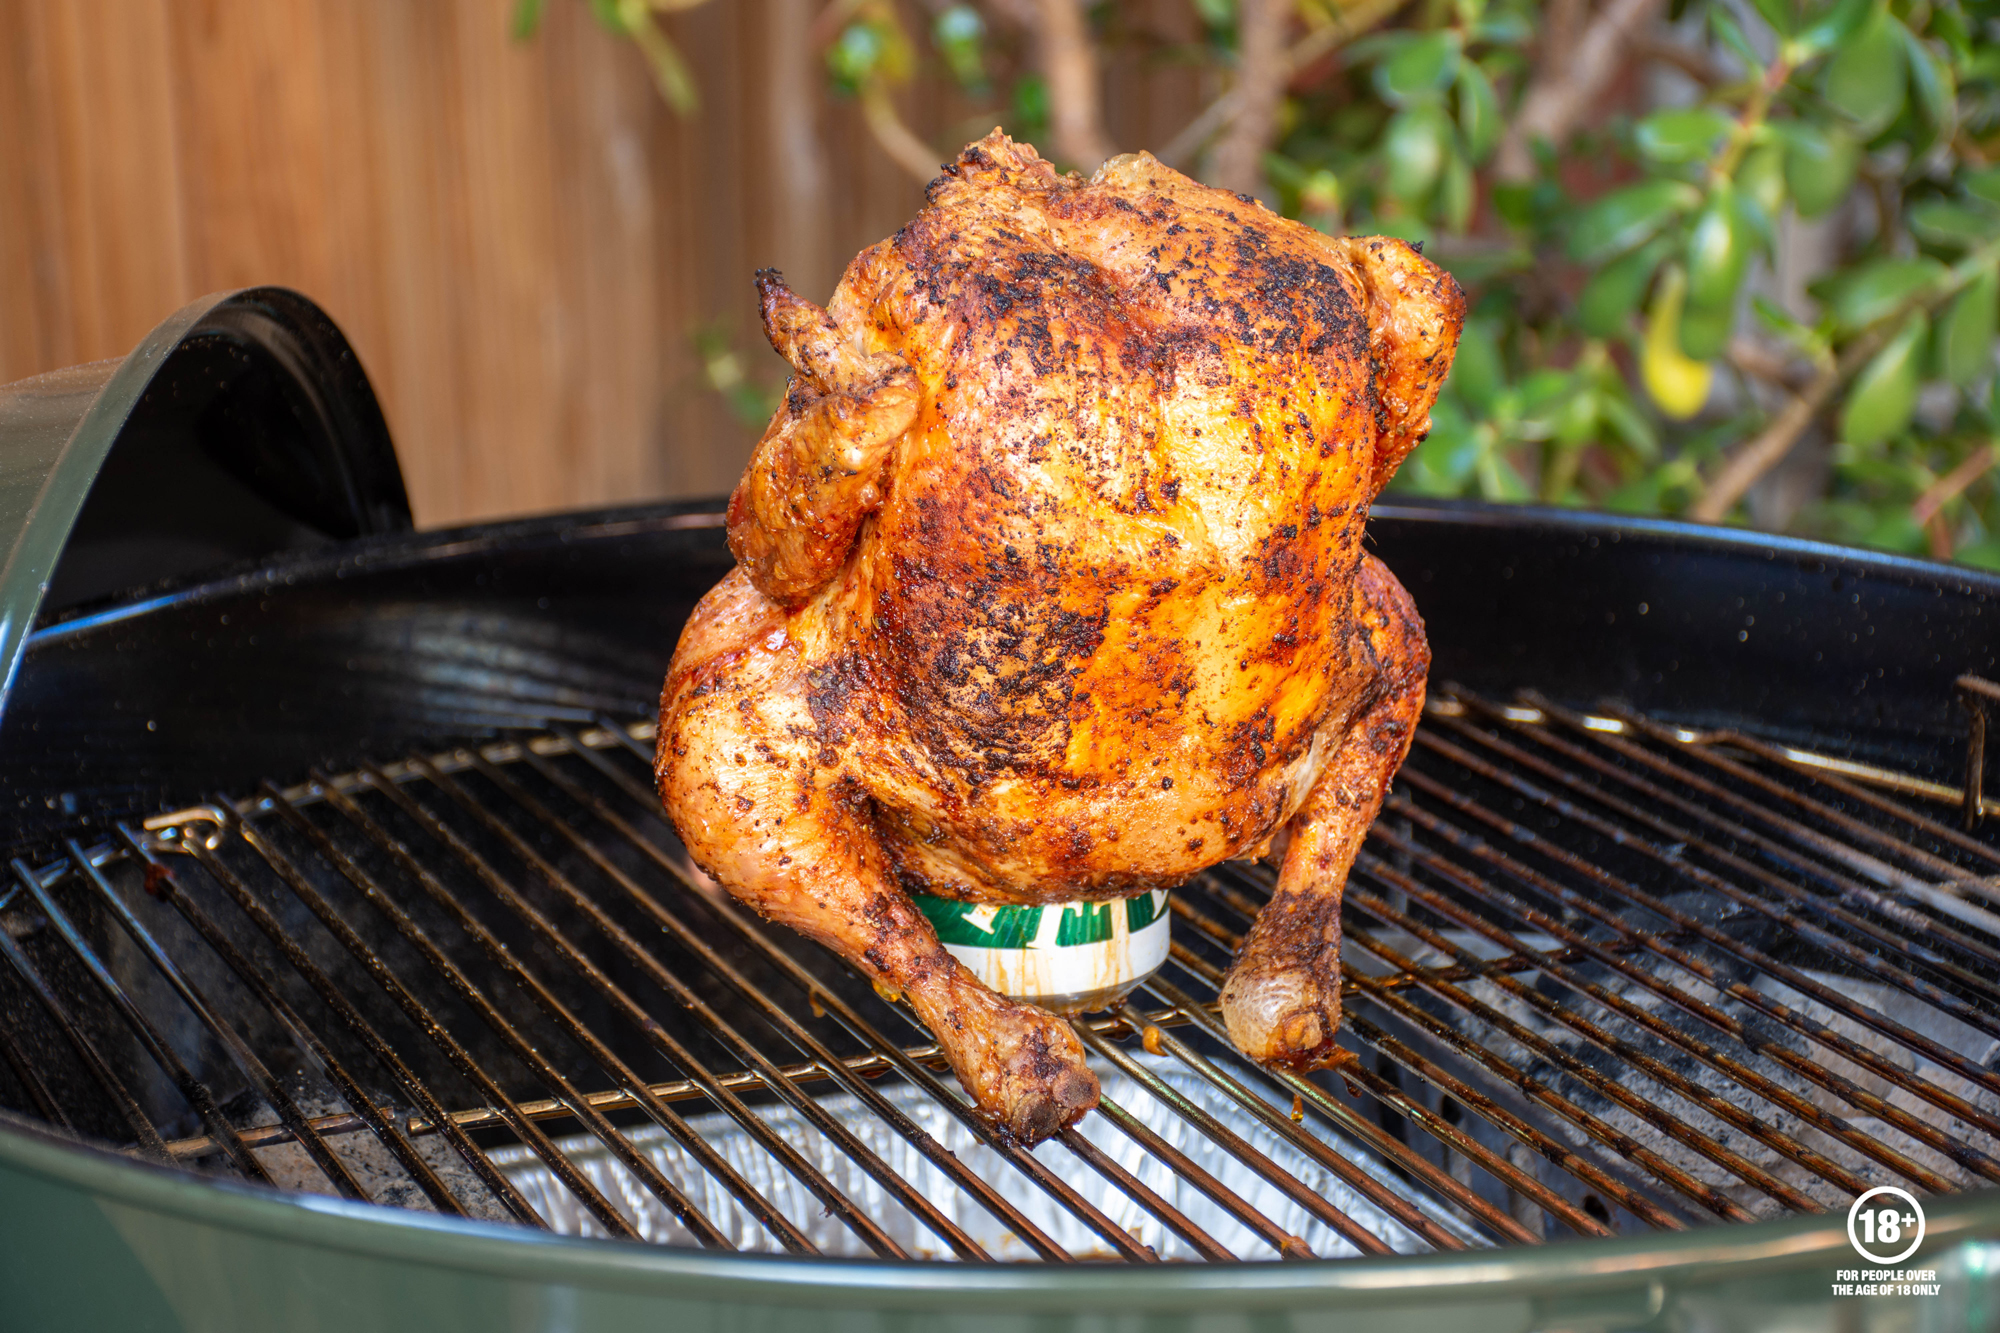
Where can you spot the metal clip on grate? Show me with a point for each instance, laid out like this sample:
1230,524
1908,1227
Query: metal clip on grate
1603,976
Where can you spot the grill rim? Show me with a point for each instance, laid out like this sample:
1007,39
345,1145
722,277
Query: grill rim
391,551
1719,1253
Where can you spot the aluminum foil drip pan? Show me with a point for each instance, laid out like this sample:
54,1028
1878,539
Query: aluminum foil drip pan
654,1223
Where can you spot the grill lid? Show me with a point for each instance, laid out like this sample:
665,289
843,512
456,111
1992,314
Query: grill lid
241,427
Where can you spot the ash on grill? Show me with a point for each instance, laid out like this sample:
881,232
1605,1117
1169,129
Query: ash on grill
1603,976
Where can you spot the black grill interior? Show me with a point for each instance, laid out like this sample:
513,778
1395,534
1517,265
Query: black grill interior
1605,976
1691,936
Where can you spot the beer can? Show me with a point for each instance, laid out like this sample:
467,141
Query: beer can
1068,957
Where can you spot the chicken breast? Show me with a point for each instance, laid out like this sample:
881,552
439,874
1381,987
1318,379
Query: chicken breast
1052,587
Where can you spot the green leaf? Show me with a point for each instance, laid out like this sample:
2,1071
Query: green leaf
1542,390
1895,529
1730,32
1832,28
1965,335
1808,340
1682,134
1217,13
1775,318
1717,251
1414,149
1760,233
1705,329
608,13
1514,201
1457,192
1498,479
1930,79
1285,173
1984,184
1376,46
1629,425
1625,218
1947,24
1575,418
1820,161
1443,464
1885,393
1960,226
1404,227
1864,80
1876,289
527,18
1779,14
1605,306
1760,182
1503,29
1889,470
1420,65
1478,111
959,34
1477,373
1031,99
855,54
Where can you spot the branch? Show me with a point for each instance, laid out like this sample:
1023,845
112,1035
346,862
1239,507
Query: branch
670,71
1069,63
1262,70
878,108
1953,483
1353,19
1772,367
1567,86
1763,452
1199,131
897,139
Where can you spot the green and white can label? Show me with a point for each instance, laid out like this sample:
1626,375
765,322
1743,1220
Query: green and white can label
1065,956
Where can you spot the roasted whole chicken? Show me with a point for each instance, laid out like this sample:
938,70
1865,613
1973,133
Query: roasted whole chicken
1051,587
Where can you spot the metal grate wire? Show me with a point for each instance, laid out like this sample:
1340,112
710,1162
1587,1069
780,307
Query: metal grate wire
1603,976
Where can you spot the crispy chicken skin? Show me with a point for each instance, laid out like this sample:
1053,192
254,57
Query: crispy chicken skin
1051,586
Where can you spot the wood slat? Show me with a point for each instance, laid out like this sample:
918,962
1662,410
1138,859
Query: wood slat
519,238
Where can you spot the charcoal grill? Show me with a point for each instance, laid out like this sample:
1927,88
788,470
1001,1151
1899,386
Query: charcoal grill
350,975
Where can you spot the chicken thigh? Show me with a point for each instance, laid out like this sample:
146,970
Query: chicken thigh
1052,587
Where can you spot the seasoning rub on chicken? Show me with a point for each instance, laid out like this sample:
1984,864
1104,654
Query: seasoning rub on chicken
1051,587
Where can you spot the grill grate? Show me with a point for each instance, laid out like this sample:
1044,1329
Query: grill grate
1603,976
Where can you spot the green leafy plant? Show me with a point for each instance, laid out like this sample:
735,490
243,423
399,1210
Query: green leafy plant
1634,345
752,398
1739,261
636,20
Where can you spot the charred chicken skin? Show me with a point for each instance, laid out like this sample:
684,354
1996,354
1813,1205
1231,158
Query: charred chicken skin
1052,587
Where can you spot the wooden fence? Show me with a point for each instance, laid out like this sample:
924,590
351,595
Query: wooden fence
521,240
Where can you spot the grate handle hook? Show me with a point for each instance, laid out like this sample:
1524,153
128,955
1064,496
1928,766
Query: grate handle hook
1975,694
